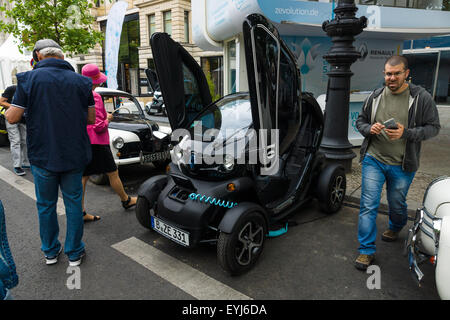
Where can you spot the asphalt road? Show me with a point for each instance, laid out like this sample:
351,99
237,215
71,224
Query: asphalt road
313,260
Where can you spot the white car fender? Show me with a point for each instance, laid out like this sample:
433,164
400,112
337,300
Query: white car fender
159,134
443,261
127,137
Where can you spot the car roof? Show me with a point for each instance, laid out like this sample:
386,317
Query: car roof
102,90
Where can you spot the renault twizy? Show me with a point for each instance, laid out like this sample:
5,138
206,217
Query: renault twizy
234,202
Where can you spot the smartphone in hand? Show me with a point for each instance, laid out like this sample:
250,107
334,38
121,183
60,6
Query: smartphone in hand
390,124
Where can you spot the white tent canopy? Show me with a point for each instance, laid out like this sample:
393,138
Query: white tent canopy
12,61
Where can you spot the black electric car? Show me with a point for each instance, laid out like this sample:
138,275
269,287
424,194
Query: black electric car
215,191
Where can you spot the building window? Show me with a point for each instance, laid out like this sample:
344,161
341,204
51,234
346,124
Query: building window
186,26
443,5
213,69
128,59
151,64
167,20
231,49
151,25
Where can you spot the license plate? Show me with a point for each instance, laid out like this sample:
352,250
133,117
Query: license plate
171,232
155,156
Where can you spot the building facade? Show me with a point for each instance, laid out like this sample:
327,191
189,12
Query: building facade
299,22
142,19
429,61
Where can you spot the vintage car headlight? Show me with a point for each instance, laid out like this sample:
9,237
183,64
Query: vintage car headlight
228,163
118,142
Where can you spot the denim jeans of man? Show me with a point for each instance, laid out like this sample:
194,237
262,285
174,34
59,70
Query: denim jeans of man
46,186
17,134
8,275
374,175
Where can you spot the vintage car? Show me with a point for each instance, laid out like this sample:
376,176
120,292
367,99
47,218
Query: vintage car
134,137
429,237
264,145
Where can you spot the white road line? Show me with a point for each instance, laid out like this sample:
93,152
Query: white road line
188,279
26,187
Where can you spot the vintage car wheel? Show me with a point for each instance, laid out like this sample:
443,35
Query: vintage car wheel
239,250
143,212
331,187
3,140
99,179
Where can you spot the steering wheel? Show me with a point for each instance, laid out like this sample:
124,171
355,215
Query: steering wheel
123,107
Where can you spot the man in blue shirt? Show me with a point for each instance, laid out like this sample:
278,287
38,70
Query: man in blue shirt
58,104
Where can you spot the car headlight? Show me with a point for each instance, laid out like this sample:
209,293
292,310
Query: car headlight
118,142
228,163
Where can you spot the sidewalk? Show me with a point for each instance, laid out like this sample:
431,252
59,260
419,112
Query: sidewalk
434,162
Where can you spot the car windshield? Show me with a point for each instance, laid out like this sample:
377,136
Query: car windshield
122,106
227,117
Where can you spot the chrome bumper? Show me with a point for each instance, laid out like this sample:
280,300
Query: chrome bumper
412,247
416,254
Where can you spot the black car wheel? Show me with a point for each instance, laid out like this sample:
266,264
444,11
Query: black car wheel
99,179
331,188
143,212
238,251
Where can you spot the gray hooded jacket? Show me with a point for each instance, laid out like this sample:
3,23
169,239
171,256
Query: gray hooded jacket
423,123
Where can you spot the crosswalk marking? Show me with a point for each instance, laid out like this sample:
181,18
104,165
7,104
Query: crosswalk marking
26,187
192,281
188,279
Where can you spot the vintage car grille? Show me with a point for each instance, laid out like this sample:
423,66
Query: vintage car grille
130,150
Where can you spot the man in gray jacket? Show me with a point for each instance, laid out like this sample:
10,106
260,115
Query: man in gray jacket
390,152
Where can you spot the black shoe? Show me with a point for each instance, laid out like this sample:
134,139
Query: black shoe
126,204
19,171
89,219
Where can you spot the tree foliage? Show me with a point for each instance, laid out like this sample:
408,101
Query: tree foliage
68,22
212,87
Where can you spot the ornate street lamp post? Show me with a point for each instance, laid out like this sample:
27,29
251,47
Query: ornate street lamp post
342,31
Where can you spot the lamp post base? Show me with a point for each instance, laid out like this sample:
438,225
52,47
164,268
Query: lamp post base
343,157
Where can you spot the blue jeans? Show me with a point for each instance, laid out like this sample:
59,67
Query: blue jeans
46,186
374,175
8,275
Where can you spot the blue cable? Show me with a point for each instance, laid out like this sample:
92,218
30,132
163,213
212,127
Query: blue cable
217,202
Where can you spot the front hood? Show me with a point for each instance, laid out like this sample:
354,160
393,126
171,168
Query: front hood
213,152
132,125
140,127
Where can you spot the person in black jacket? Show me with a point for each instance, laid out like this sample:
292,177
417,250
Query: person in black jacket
390,152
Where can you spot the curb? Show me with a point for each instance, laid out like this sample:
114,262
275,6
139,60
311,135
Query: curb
352,201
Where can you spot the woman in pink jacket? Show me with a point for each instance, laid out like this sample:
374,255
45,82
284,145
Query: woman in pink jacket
102,158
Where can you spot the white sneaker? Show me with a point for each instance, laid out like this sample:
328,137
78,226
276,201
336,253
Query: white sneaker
53,259
77,262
